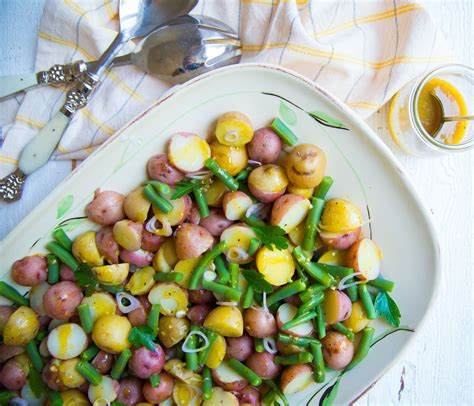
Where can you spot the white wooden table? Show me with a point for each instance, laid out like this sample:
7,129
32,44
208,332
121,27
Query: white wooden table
439,366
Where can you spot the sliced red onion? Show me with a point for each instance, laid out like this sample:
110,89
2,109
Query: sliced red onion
231,136
164,230
18,402
254,209
264,300
342,283
270,345
209,275
253,162
236,254
227,303
199,175
134,302
199,349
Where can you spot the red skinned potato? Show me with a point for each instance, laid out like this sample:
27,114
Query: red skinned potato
30,271
5,313
263,364
288,211
295,378
61,300
227,378
249,396
287,312
239,348
137,317
193,217
236,204
201,296
340,241
161,392
337,306
192,241
130,392
9,351
338,350
144,363
259,323
267,182
106,208
13,375
151,242
160,169
265,146
50,375
216,222
198,313
138,258
107,246
365,258
66,274
103,362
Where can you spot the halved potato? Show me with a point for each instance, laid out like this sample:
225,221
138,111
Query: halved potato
227,378
221,397
136,205
340,241
179,212
188,152
337,306
365,257
100,303
113,274
215,193
186,267
339,216
288,211
171,297
226,321
217,354
239,235
128,234
306,193
287,312
192,241
84,249
166,257
333,257
295,378
187,395
236,204
67,341
234,129
276,266
358,319
141,281
231,159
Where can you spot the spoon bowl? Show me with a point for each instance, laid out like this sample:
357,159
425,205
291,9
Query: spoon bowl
443,117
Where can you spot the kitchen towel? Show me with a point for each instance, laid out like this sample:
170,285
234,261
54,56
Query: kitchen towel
362,51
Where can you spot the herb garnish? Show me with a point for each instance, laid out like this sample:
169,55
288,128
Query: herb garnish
36,383
142,337
86,279
386,307
270,236
185,187
257,281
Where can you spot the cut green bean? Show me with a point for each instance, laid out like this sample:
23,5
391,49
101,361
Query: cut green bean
34,355
288,290
221,174
10,293
298,320
6,396
160,187
204,355
168,276
201,203
64,256
155,380
228,292
318,362
55,398
248,297
41,335
90,353
85,317
323,188
221,270
301,273
363,349
204,263
245,372
342,272
284,132
234,271
258,343
254,245
159,201
89,372
275,388
311,291
311,226
242,175
153,320
53,269
293,359
310,304
321,327
60,236
344,330
299,341
206,383
312,269
192,357
382,284
120,364
367,301
244,188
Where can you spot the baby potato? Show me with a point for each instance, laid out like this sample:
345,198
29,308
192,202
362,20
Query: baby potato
227,378
265,146
36,298
192,241
305,166
201,296
238,235
137,206
30,271
9,351
218,352
128,234
67,341
141,281
84,249
333,257
188,152
263,364
106,208
277,266
73,397
111,332
166,258
172,330
338,350
365,258
178,369
187,395
5,313
306,193
337,306
234,129
131,391
197,314
138,258
358,320
340,241
13,375
249,396
106,390
287,312
214,194
21,327
259,322
216,222
221,397
340,216
186,267
267,182
144,362
151,242
103,362
239,348
69,375
113,274
161,392
159,168
226,321
236,204
107,246
288,211
231,159
179,212
100,303
171,297
295,378
50,375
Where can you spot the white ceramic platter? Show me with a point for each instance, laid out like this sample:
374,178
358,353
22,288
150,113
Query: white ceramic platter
364,171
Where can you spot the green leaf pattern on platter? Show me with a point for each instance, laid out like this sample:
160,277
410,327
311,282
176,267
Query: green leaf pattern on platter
326,119
287,114
64,205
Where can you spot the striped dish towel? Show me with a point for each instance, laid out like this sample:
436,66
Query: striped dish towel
361,51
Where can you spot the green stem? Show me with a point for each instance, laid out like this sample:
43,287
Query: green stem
254,245
323,188
258,342
155,380
192,357
63,239
153,320
367,302
318,362
382,284
206,383
228,292
221,270
299,341
321,327
160,187
34,355
363,349
343,330
85,317
312,269
299,320
89,372
90,353
168,276
311,291
234,271
53,269
204,355
248,297
308,306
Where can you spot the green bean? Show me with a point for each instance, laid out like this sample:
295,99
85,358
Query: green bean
64,256
153,320
299,358
41,335
34,355
55,398
299,341
286,291
254,245
253,221
89,372
318,362
10,293
6,396
53,269
160,187
90,352
228,292
323,188
245,372
363,349
159,201
204,263
258,342
204,355
168,276
320,322
269,398
382,284
201,203
221,270
367,301
206,383
312,269
342,272
311,291
301,273
275,388
234,271
242,175
284,132
221,174
244,188
343,330
311,225
310,304
85,317
155,380
120,364
248,297
192,357
60,236
298,320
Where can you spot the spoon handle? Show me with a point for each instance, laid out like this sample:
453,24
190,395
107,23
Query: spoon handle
458,118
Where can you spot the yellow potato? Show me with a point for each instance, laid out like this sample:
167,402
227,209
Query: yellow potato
178,369
358,319
221,397
333,257
172,330
179,212
306,193
141,281
305,166
268,182
111,332
68,373
288,211
136,205
231,159
22,326
239,236
297,234
234,129
217,354
337,306
214,194
365,258
186,267
84,249
235,205
105,392
277,266
340,215
73,397
226,321
171,297
113,274
166,258
100,303
128,234
188,152
187,395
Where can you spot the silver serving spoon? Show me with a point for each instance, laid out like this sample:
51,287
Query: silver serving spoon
445,119
137,18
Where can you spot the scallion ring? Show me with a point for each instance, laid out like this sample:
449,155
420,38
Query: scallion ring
270,345
131,303
199,349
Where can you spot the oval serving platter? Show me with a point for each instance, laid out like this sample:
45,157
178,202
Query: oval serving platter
363,168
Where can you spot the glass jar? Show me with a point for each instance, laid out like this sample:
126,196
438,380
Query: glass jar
404,119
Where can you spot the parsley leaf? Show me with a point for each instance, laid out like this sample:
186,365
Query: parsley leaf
386,307
257,281
142,336
86,279
185,187
271,236
36,383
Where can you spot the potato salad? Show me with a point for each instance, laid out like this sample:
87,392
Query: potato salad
229,276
